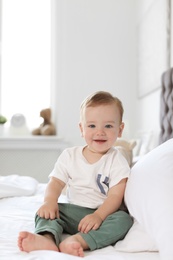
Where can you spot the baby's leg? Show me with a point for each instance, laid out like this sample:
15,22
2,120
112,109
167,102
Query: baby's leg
74,245
29,242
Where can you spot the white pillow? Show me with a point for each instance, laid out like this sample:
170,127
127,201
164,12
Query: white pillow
149,196
15,185
136,240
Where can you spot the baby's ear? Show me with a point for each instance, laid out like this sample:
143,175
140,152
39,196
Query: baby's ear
121,128
81,128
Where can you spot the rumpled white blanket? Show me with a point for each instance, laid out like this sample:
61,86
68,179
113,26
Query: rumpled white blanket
15,185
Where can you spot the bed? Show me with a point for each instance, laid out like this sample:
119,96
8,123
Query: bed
148,196
17,213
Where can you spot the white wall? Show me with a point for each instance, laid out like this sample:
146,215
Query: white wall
96,50
171,42
148,117
0,41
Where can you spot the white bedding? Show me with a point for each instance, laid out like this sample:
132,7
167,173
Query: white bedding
15,185
148,196
17,213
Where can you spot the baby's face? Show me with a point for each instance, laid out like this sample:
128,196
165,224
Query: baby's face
101,125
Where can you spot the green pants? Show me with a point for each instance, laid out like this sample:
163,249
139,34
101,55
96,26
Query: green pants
113,228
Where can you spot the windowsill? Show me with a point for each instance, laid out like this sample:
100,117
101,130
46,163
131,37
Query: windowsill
32,142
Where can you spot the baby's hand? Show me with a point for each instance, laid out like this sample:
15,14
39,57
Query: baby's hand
89,222
49,210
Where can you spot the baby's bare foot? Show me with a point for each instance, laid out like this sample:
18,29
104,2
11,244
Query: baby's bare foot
29,242
72,246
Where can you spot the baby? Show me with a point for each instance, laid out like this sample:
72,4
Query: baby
96,176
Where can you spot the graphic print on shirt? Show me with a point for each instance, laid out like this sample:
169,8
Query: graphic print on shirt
103,183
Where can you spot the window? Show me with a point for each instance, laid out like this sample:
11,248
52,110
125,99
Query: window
25,58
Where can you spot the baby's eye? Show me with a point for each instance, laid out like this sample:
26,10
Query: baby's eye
108,126
91,126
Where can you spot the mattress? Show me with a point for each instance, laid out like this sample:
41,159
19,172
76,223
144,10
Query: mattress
17,214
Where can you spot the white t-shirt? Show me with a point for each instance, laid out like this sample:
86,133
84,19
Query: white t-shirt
88,184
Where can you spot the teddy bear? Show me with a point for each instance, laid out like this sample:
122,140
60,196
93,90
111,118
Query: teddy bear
47,127
126,148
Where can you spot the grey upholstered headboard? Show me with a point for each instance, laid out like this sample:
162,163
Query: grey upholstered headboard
166,106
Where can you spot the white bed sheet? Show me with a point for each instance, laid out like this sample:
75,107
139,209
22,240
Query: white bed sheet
17,214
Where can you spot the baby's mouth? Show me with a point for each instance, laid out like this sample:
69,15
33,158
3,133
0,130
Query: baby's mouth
100,141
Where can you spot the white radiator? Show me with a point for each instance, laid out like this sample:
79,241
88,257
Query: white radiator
33,156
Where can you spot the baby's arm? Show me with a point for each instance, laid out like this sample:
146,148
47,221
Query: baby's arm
49,209
110,205
113,201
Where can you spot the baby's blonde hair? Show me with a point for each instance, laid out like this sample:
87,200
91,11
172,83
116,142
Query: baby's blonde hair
101,98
